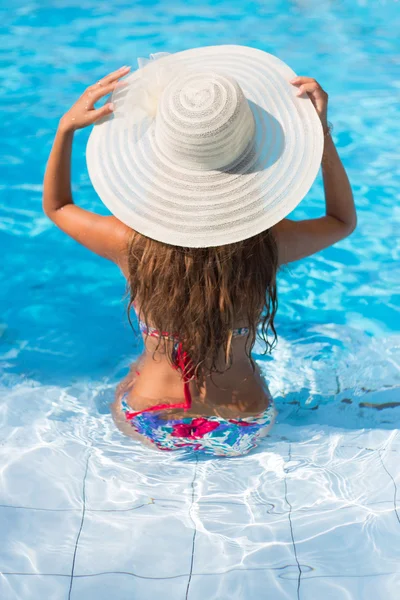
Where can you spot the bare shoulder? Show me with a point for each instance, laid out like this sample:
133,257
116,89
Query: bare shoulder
106,236
122,234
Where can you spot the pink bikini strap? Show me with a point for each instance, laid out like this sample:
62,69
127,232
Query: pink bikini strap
182,363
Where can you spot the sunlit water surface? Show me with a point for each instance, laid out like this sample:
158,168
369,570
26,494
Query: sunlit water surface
88,514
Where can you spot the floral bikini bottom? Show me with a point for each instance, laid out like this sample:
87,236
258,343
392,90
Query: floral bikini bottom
211,435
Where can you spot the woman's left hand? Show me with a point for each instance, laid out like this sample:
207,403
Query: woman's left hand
317,95
83,113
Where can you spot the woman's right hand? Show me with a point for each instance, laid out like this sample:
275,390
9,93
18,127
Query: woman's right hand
83,112
317,95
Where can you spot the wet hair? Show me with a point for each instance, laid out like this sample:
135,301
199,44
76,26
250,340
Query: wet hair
201,294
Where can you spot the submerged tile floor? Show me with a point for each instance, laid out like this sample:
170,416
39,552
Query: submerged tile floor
89,518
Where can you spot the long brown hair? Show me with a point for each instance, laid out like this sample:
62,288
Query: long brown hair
201,294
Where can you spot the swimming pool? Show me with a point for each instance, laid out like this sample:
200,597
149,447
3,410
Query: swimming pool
88,514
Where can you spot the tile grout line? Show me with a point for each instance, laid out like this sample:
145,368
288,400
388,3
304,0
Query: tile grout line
88,510
218,573
201,502
194,530
81,525
394,485
39,508
291,527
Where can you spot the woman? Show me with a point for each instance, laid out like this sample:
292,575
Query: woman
200,156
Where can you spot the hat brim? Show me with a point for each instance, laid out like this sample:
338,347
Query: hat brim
183,207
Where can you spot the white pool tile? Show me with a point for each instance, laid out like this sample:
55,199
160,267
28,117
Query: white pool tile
149,542
271,492
125,587
254,479
338,475
374,438
40,475
390,461
36,541
243,584
122,481
27,587
374,586
353,541
233,536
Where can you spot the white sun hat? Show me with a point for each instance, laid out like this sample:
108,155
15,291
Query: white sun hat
206,147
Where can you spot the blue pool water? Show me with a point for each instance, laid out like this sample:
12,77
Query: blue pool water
84,512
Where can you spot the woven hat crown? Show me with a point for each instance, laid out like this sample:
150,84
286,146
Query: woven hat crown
203,121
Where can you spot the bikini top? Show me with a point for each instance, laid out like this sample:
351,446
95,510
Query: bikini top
181,362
